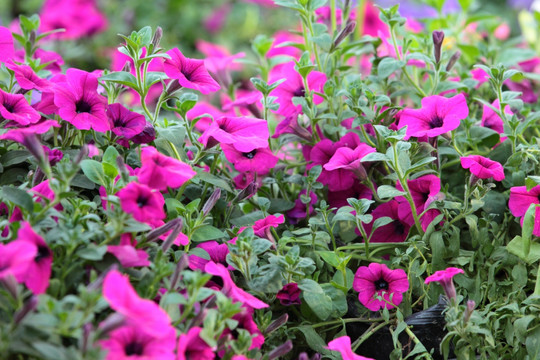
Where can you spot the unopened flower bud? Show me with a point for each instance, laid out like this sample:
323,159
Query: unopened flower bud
156,233
29,305
347,30
122,167
453,60
180,266
247,192
173,86
87,330
127,67
281,350
172,236
82,154
146,136
469,310
438,38
211,202
111,323
276,324
157,37
10,284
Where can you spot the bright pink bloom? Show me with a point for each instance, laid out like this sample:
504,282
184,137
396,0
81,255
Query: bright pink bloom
144,314
127,254
39,270
492,120
15,259
7,48
260,227
129,342
79,103
521,199
479,75
258,161
424,190
200,109
396,231
15,107
437,116
444,277
377,279
159,171
349,159
343,345
190,73
482,167
20,133
26,77
373,25
123,122
218,59
285,37
217,252
289,295
293,86
290,125
192,347
502,32
230,289
244,133
140,201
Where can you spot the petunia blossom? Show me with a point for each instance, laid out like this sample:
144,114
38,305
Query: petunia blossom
444,277
140,201
159,171
243,133
521,199
191,346
262,226
15,259
127,254
217,252
343,345
378,280
258,161
424,191
39,270
350,159
230,289
26,77
7,48
437,116
190,73
492,120
289,295
15,107
482,167
123,122
395,231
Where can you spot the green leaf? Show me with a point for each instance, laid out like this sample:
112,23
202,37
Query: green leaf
94,171
387,66
528,227
316,299
110,167
207,232
214,180
330,257
49,351
18,197
338,300
13,157
92,252
153,77
388,192
315,341
121,77
516,247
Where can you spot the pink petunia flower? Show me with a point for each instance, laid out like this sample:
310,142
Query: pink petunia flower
482,167
245,321
140,201
338,199
39,270
15,259
15,107
79,102
143,314
200,109
123,122
7,47
217,252
444,277
293,86
230,289
479,75
26,77
127,254
128,342
258,161
191,346
424,190
262,226
377,279
243,133
282,37
190,73
343,345
218,59
19,134
373,25
521,199
492,120
396,231
289,295
159,171
350,159
437,116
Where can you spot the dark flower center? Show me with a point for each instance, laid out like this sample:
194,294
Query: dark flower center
82,106
250,155
9,107
43,253
300,92
119,123
187,74
134,348
381,284
142,201
436,122
398,227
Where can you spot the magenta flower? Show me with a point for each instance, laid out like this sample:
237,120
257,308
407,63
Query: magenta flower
444,277
190,73
127,254
424,190
129,342
143,314
245,321
492,120
258,161
262,226
192,347
15,259
377,280
482,167
217,252
300,210
479,75
289,125
373,25
39,270
159,171
123,122
15,107
289,295
244,133
349,159
20,134
293,86
396,231
437,116
7,48
79,103
218,59
230,289
26,77
200,109
343,345
521,199
140,201
282,37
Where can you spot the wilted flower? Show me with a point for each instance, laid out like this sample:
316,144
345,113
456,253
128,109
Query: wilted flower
289,295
